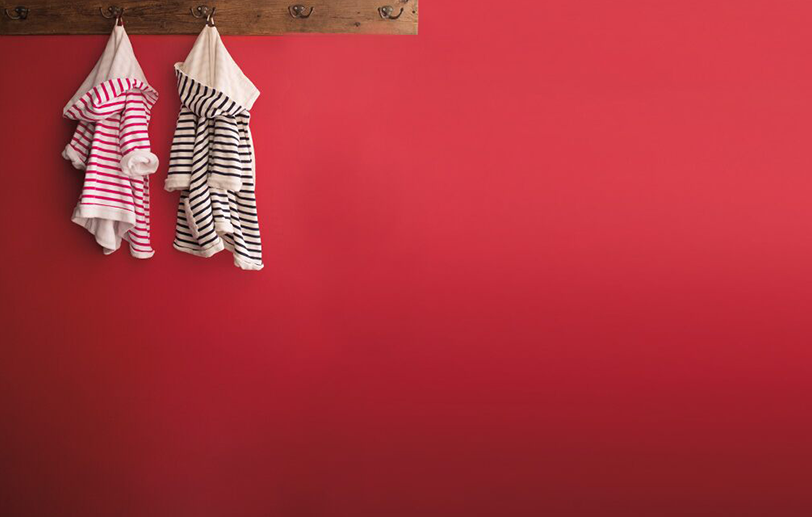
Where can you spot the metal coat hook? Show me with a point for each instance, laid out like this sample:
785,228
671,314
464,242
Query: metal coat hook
204,11
297,11
22,13
386,12
115,12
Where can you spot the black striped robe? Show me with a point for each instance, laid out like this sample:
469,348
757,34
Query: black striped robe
212,164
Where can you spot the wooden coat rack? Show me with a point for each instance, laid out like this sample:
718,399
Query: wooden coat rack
248,17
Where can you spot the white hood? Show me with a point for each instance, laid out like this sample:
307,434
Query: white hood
116,62
210,64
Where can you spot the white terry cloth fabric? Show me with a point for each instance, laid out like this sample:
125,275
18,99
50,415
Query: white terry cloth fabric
212,158
111,144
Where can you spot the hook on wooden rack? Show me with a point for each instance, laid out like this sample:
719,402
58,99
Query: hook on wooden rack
297,11
21,13
204,11
386,12
115,12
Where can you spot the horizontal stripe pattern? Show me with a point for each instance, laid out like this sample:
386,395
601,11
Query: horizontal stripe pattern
212,163
113,121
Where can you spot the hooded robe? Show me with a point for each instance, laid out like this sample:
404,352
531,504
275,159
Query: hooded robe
212,158
111,144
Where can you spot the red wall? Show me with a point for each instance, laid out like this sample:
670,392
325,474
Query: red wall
548,258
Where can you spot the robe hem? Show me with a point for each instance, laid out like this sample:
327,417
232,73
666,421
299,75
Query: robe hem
217,248
205,253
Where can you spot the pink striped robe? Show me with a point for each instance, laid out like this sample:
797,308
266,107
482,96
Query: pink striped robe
111,144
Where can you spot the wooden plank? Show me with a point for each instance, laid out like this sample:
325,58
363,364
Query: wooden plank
248,17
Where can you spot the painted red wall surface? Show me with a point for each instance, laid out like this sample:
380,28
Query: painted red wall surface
547,258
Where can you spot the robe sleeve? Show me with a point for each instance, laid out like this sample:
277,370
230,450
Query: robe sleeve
225,165
179,175
137,158
247,152
78,148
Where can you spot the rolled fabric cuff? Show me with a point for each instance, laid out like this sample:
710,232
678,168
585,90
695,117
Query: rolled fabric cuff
70,154
177,182
139,163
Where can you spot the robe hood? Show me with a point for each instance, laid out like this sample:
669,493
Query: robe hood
116,62
210,64
116,72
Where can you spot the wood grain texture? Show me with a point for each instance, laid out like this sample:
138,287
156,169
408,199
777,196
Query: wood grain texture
246,17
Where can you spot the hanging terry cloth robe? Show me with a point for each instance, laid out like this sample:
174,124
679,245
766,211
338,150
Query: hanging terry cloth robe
212,157
111,144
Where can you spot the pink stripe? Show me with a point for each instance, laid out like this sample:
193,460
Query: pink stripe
106,140
98,107
105,205
107,135
116,176
135,132
86,133
137,194
106,126
92,163
78,138
99,146
127,186
105,110
133,140
108,199
94,155
115,184
84,148
80,151
109,191
104,89
125,123
102,133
